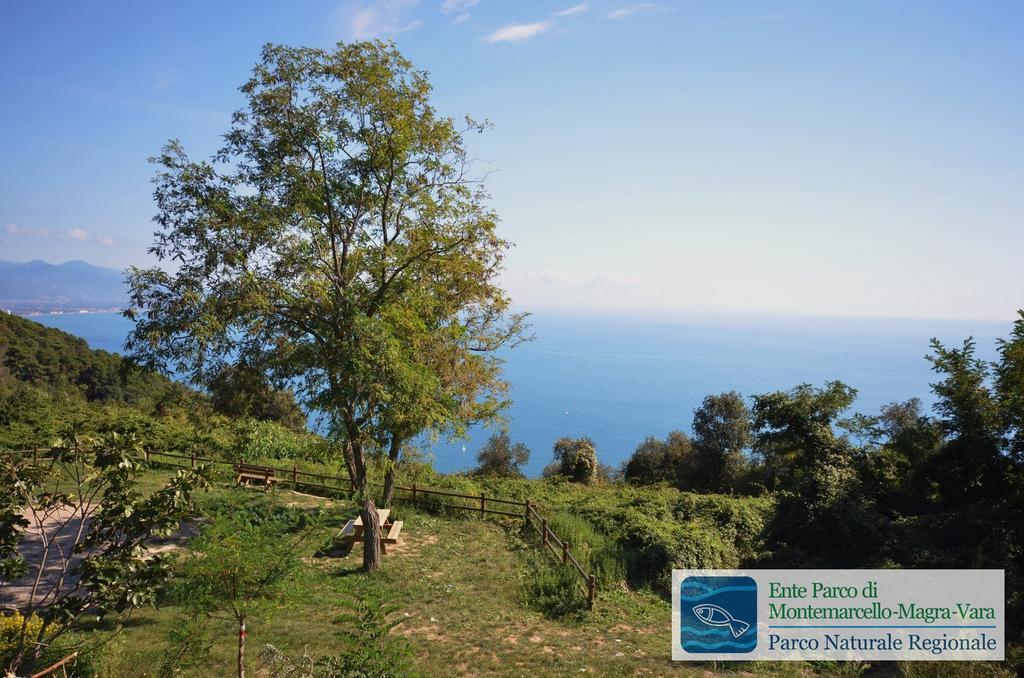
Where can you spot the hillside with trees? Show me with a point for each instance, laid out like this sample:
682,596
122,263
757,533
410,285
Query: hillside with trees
51,380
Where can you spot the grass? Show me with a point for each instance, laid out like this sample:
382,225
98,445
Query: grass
461,595
457,588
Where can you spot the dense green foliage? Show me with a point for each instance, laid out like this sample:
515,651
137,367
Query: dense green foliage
721,429
575,459
338,243
239,391
656,461
38,356
50,382
900,488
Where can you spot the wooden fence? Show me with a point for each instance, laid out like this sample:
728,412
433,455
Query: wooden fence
561,549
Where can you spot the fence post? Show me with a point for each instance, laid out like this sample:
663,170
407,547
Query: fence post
193,455
482,504
544,531
145,454
591,591
565,552
526,513
35,456
295,476
414,491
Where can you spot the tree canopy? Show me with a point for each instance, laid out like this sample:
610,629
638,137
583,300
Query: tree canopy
501,457
340,242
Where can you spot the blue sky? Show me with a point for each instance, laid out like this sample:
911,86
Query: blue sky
853,159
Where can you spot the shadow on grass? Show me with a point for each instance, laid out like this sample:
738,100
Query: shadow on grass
348,571
113,622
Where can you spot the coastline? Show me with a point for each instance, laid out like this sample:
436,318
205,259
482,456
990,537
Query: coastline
81,311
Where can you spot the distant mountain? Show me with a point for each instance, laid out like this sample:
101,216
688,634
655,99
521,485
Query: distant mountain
39,287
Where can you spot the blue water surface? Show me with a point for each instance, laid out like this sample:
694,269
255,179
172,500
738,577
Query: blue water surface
620,379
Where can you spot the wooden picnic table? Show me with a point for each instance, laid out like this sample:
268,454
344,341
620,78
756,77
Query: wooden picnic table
382,517
389,530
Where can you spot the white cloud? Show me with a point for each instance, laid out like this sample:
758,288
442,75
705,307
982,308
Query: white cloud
462,17
77,234
452,6
373,19
575,9
623,12
83,235
517,32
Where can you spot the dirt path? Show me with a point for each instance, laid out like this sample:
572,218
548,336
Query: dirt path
48,549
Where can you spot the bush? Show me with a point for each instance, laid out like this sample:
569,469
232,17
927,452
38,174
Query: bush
597,553
501,457
656,546
262,440
10,634
577,459
658,461
554,590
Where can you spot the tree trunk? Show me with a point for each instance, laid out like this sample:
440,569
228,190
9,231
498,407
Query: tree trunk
350,465
358,467
371,536
241,646
389,477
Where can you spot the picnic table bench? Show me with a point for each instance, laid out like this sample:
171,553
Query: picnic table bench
389,530
247,474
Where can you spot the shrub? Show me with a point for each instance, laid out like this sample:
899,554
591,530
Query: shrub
501,457
260,440
10,633
577,459
597,553
657,461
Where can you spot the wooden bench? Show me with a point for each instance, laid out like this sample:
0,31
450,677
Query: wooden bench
391,537
247,474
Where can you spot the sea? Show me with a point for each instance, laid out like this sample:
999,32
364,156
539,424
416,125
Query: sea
621,378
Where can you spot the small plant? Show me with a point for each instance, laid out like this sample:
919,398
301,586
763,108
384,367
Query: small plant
241,564
190,646
552,589
369,648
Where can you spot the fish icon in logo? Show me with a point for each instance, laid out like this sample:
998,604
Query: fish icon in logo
713,615
717,614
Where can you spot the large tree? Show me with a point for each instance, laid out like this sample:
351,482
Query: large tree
721,433
340,243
